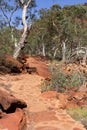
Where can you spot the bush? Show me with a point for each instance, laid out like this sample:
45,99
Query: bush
63,82
79,114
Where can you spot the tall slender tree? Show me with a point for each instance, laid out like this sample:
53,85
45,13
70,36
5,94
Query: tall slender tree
24,4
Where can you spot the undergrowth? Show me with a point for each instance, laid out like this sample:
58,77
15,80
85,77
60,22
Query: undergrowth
79,114
63,82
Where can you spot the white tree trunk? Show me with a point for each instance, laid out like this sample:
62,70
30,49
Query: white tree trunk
55,52
64,51
85,57
21,43
12,36
43,49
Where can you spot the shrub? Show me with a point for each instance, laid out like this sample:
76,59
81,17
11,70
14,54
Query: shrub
79,114
63,82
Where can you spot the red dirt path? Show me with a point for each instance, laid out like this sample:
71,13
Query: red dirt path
42,113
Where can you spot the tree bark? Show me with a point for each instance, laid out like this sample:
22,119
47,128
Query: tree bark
84,57
55,52
64,51
43,49
21,43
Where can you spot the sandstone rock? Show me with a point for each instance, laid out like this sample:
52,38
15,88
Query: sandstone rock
78,95
13,61
71,100
9,103
41,66
13,121
10,65
4,70
49,94
77,99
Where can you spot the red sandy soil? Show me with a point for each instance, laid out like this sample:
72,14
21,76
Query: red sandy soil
43,113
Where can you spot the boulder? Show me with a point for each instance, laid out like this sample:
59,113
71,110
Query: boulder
9,103
13,121
40,65
10,63
49,94
11,60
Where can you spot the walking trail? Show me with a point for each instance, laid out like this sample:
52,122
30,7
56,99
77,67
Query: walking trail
42,113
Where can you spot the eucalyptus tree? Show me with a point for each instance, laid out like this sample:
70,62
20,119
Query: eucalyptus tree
24,4
6,42
78,28
39,38
10,18
57,25
7,10
7,31
67,27
42,34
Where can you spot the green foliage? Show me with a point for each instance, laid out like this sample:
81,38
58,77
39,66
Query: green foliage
46,86
57,25
7,40
79,114
52,27
63,82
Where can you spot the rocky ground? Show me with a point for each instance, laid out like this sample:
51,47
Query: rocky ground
45,111
42,113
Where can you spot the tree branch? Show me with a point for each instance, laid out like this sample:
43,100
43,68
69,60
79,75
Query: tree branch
9,19
13,13
4,14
